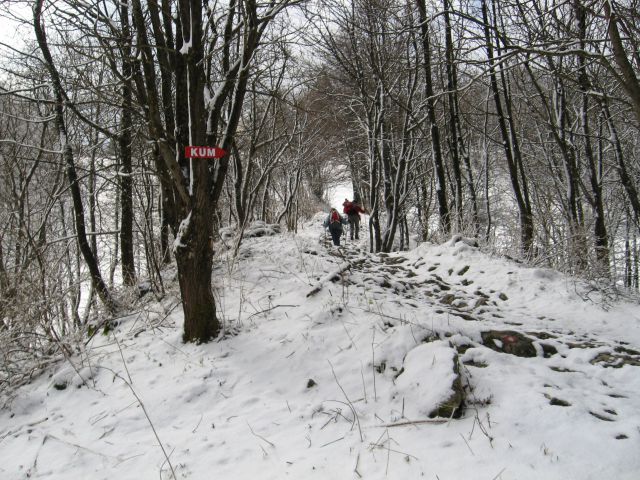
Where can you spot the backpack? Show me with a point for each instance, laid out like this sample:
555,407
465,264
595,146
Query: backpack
356,209
335,217
353,209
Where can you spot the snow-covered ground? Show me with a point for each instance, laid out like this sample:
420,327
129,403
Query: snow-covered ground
326,375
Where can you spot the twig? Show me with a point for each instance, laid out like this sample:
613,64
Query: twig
146,414
379,445
373,364
355,469
196,428
364,385
115,337
162,466
355,415
76,445
269,309
499,473
388,442
411,422
467,443
153,428
16,430
348,334
332,441
260,436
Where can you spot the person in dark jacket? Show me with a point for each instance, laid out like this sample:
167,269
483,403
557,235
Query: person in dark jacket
334,222
353,211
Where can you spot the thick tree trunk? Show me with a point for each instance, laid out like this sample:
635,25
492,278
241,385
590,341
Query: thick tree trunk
194,258
630,81
186,183
194,252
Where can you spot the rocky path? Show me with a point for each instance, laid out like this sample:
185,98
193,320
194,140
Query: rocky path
482,323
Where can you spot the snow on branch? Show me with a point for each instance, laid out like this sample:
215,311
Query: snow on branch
343,267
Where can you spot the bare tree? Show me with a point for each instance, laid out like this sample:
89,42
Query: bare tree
61,99
217,61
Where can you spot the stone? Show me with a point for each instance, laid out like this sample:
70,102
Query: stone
509,341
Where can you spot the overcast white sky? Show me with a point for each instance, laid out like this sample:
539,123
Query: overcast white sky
12,30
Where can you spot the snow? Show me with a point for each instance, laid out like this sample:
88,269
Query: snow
186,47
178,243
340,384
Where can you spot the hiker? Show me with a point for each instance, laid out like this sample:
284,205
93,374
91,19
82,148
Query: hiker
334,223
353,211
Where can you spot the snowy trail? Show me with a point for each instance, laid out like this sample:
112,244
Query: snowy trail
340,384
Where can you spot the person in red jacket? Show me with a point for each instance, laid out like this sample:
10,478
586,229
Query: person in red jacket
353,211
334,222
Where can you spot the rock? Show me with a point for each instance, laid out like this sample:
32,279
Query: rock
452,407
480,302
144,288
70,376
548,350
509,341
615,360
463,270
448,299
469,241
429,383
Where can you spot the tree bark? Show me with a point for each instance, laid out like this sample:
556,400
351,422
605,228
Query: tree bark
124,150
454,135
630,81
595,169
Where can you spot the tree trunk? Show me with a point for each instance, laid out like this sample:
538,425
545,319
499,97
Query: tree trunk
558,119
194,257
67,154
595,170
454,134
625,177
124,149
630,81
526,216
194,252
438,162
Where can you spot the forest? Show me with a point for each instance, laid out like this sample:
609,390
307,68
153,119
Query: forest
514,122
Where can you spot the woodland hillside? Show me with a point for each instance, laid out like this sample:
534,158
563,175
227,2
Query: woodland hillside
511,123
441,362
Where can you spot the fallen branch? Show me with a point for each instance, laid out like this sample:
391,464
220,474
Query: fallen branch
329,277
411,422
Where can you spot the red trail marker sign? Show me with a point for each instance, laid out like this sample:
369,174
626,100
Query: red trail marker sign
193,151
